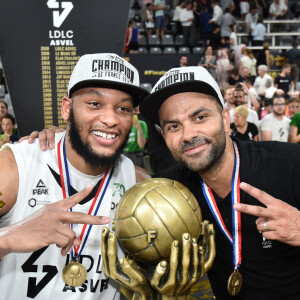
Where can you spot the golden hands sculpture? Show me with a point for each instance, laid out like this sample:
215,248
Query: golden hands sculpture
188,263
159,223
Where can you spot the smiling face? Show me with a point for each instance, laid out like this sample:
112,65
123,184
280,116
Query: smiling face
194,128
100,120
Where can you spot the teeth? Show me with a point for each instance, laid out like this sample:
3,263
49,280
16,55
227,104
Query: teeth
104,135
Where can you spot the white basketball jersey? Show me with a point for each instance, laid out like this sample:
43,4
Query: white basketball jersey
38,275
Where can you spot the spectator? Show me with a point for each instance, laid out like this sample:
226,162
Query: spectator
248,61
227,20
260,81
176,16
250,87
8,124
206,27
214,39
293,107
237,52
283,81
217,13
228,97
251,20
186,19
149,19
240,128
275,126
227,4
241,99
245,74
263,57
258,33
295,125
244,8
223,66
270,89
183,61
293,58
209,62
3,111
262,7
278,10
235,77
232,38
160,19
267,108
137,141
133,38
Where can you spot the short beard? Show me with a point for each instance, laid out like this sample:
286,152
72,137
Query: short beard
84,149
277,114
215,157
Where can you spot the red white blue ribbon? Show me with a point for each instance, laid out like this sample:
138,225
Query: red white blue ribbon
66,190
236,238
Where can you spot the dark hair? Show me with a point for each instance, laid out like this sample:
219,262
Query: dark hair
239,89
148,4
11,117
4,103
244,40
275,96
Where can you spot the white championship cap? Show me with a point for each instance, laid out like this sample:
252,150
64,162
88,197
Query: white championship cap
107,70
175,81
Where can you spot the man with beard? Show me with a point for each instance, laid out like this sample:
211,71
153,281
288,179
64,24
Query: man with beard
256,258
275,126
102,93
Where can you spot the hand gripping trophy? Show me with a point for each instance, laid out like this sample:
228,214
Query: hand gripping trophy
159,222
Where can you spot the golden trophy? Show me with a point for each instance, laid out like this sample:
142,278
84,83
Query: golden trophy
158,223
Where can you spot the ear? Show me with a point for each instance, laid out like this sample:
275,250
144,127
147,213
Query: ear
226,120
66,107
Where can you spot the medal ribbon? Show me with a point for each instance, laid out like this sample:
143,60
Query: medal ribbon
65,178
236,238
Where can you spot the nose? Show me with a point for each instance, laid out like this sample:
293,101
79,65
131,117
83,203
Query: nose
188,133
109,117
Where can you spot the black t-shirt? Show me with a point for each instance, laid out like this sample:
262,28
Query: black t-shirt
250,133
283,83
270,269
233,81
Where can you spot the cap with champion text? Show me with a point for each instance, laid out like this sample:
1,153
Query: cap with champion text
107,70
175,81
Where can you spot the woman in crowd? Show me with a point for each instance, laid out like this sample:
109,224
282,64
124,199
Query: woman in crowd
248,61
263,57
240,128
209,62
149,20
223,65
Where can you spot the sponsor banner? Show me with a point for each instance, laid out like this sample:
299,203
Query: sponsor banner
41,43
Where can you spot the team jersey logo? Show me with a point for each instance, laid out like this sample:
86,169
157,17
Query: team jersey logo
40,188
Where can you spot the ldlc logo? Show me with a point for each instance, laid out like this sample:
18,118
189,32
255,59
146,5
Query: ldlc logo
59,18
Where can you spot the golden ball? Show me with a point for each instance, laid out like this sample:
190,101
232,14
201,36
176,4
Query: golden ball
154,213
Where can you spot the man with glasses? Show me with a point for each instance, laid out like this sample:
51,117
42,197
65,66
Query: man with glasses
275,126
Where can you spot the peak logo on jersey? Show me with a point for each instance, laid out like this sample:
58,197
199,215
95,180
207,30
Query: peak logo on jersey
40,188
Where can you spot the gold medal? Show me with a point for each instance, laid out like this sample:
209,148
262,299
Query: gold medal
234,284
74,274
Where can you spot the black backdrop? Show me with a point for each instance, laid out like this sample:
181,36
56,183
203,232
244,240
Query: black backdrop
40,42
